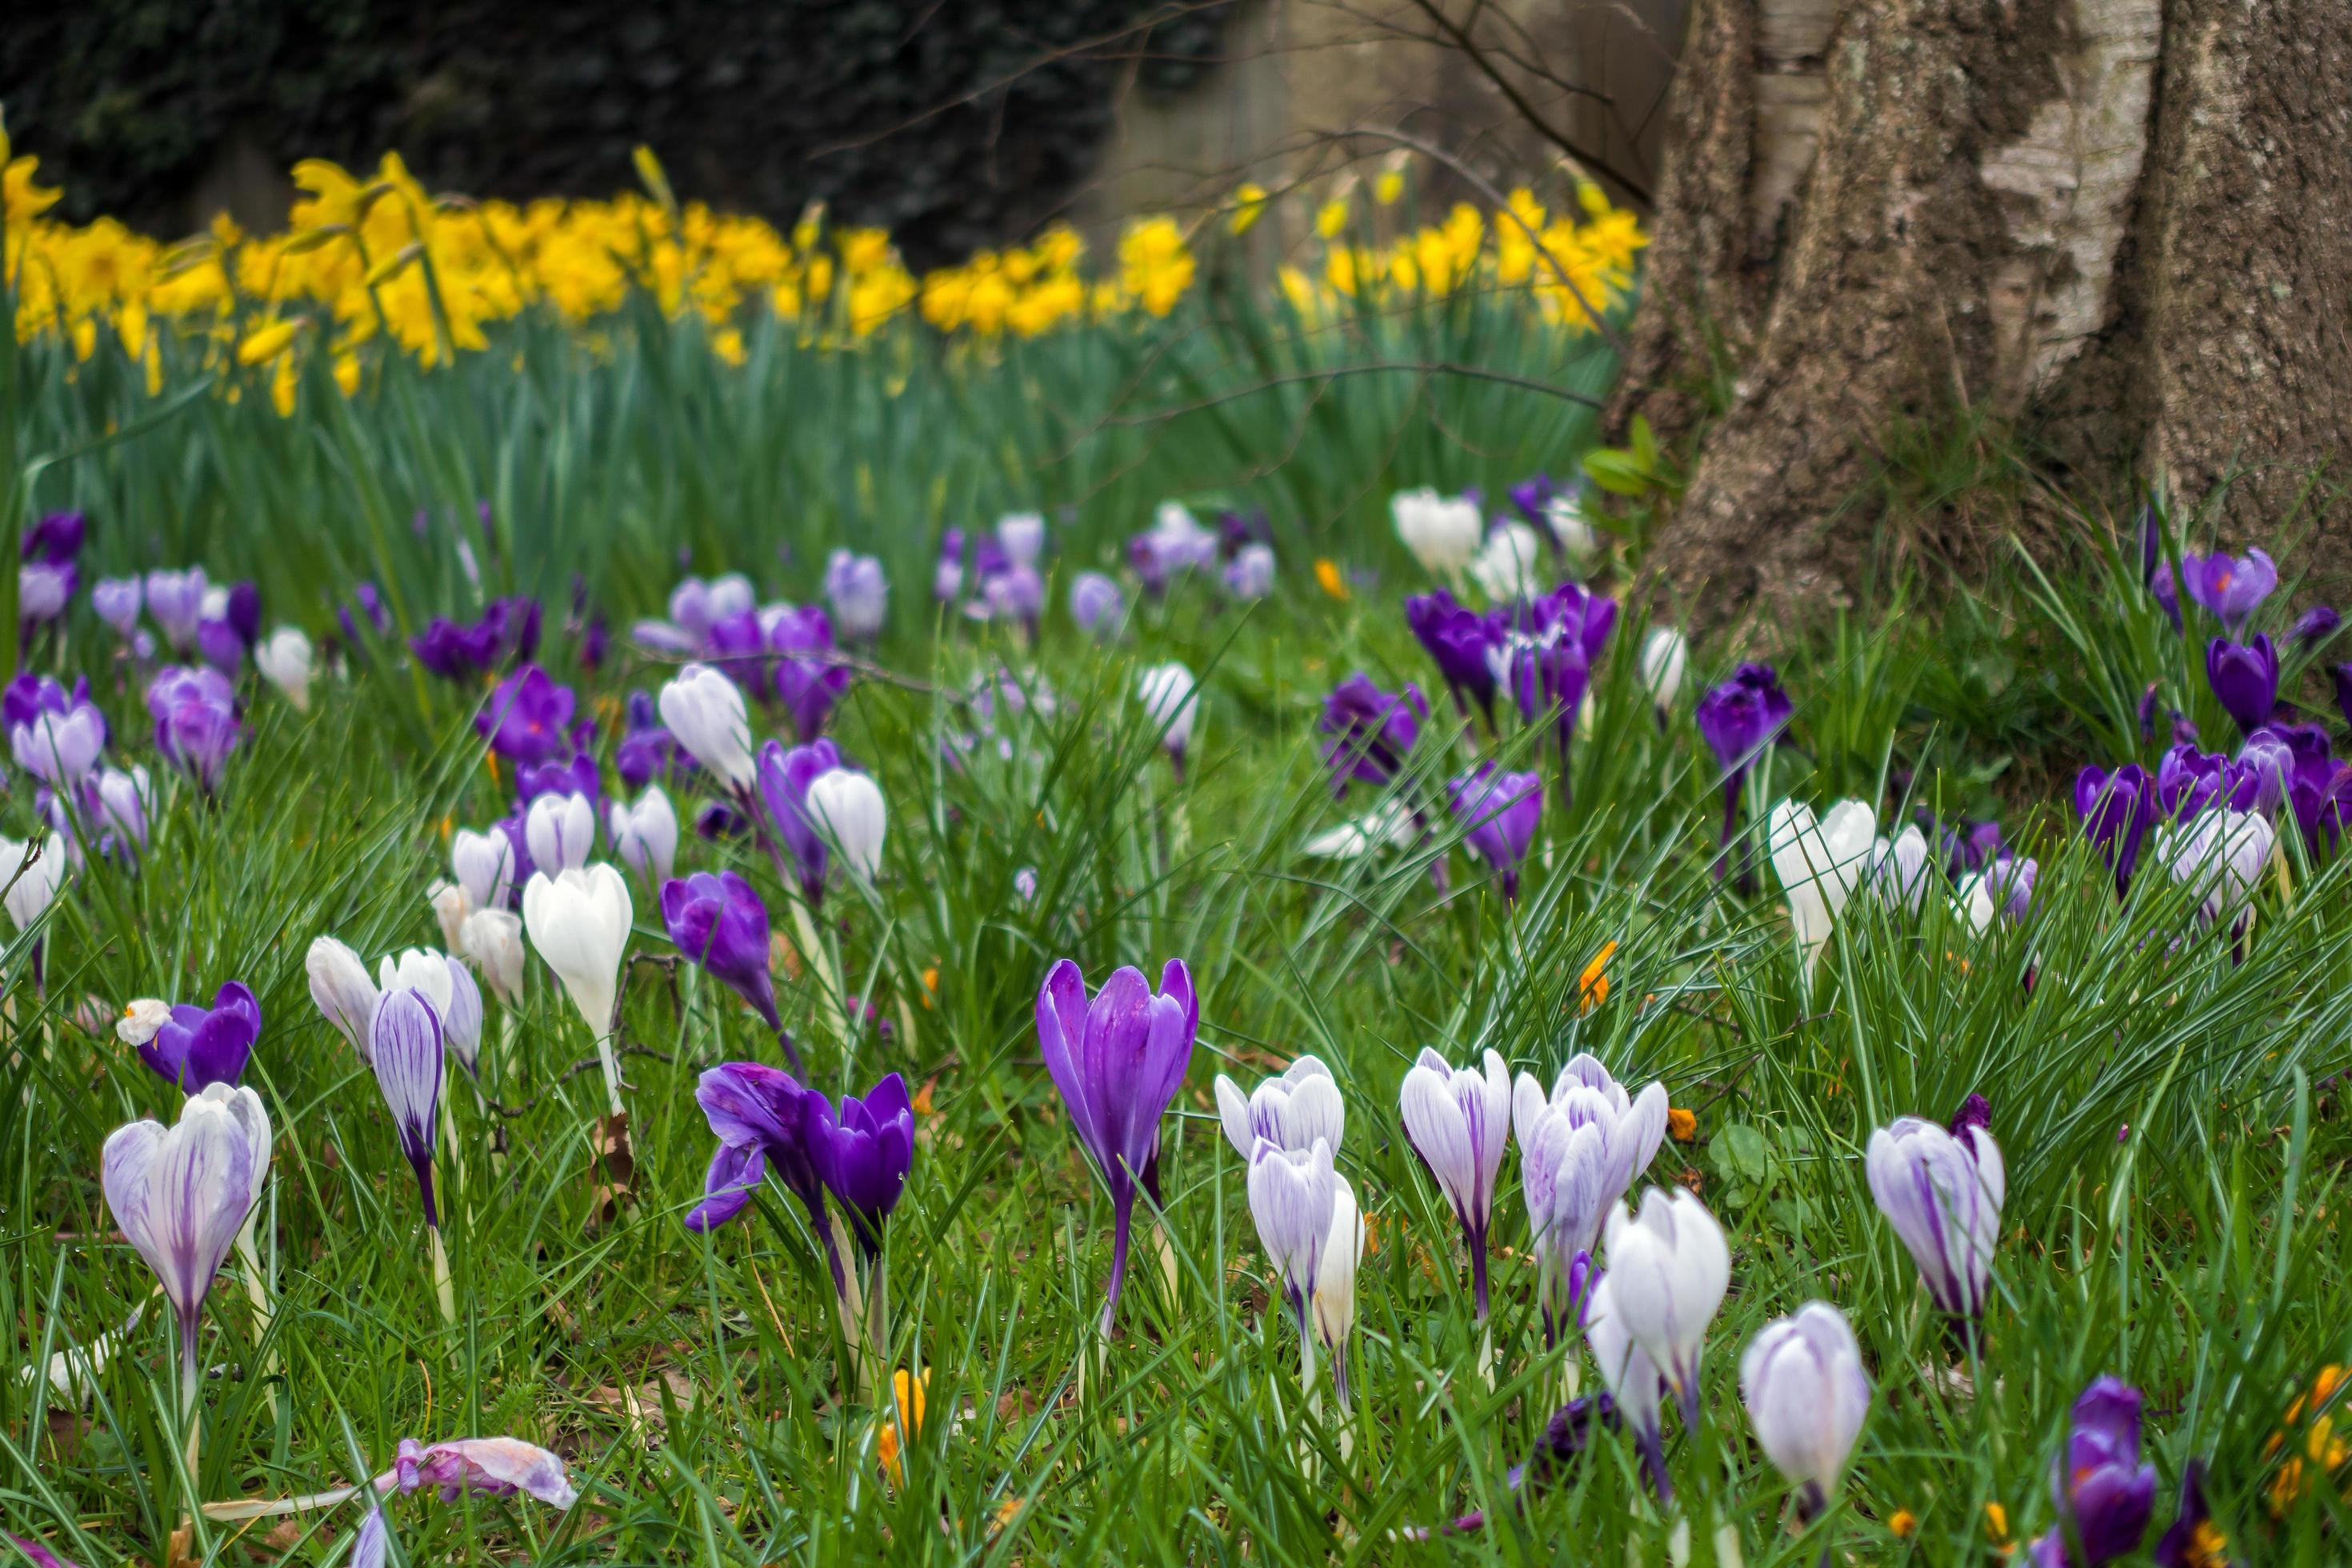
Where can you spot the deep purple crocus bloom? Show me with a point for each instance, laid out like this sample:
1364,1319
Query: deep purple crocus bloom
1969,845
2229,587
1529,498
1118,1060
864,1154
2245,677
2161,588
1738,720
2104,1493
446,648
2117,811
1370,731
761,1117
783,783
2342,676
1460,641
2317,622
1500,812
720,923
197,1046
807,678
55,540
2191,1541
577,774
2009,882
645,755
2189,780
527,716
1546,659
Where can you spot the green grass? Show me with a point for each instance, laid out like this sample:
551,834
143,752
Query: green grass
697,1387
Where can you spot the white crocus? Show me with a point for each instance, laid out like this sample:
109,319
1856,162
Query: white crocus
1898,872
1665,657
1506,566
1668,1269
2219,857
1335,1281
579,924
560,831
1389,825
1290,1196
705,714
1633,1381
1802,1381
492,939
1442,531
1290,1112
141,1021
644,836
341,987
450,907
1564,515
284,659
1459,1121
1818,863
1171,705
848,808
36,884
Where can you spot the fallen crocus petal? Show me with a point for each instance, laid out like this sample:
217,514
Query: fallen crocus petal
481,1467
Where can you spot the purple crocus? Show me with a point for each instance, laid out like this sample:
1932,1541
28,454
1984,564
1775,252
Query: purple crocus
2318,622
648,750
762,1118
118,601
176,600
2192,1540
807,676
2189,780
2104,1494
194,709
43,592
1738,720
1942,1190
1096,604
1370,731
197,1046
947,577
405,1047
2229,587
720,923
2245,677
864,1154
55,540
55,738
2117,811
1545,659
528,716
783,780
1118,1060
448,649
1500,812
1461,642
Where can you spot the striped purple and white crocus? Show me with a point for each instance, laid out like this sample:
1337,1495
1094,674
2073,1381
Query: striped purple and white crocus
1942,1191
1458,1121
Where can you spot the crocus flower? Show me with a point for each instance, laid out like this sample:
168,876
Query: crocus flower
492,939
2245,677
783,785
1580,1151
1802,1381
1249,575
720,923
448,649
1738,720
1668,1269
2104,1494
1505,566
561,830
2230,588
1175,543
1171,705
176,600
1897,877
2189,780
1633,1378
761,1117
2194,1540
1818,864
1334,1300
1665,655
1545,661
2003,890
194,709
705,713
1442,531
32,877
858,593
56,539
464,1466
1096,604
579,922
1370,731
2315,624
484,865
120,800
197,1047
848,806
864,1154
1117,1061
807,677
1291,1198
1290,1111
1499,813
448,986
947,577
118,601
34,1553
1942,1192
340,985
405,1047
528,718
644,836
1460,641
59,747
43,592
2220,856
2116,810
1459,1120
181,1196
284,659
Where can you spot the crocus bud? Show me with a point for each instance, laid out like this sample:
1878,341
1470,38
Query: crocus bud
124,796
284,661
450,908
720,923
1942,1192
704,712
1459,1121
579,922
493,940
404,1047
1096,604
1291,1111
1335,1281
118,601
1665,655
1505,566
2102,1489
1171,706
1818,863
848,806
1633,1381
1897,878
60,748
1669,1267
1802,1381
560,831
1291,1196
341,987
36,883
484,865
1022,535
140,1019
1579,1151
176,600
181,1196
1249,575
858,593
644,836
1442,531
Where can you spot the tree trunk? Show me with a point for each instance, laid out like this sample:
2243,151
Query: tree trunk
2120,228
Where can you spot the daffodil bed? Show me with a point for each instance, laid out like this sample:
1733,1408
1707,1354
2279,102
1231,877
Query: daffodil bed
672,897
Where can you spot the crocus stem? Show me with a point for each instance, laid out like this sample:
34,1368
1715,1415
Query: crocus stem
877,1318
828,992
258,1294
443,1288
1122,1226
190,1373
449,1142
612,1065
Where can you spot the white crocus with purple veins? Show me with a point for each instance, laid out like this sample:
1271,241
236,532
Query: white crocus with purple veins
449,986
1802,1381
579,922
1335,1281
1290,1111
1942,1191
1580,1151
1459,1120
492,939
1442,531
124,799
176,600
1668,1267
848,807
644,836
858,593
560,831
342,989
284,659
1291,1193
1818,863
405,1045
1634,1382
2218,856
1171,705
1899,871
181,1196
704,712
